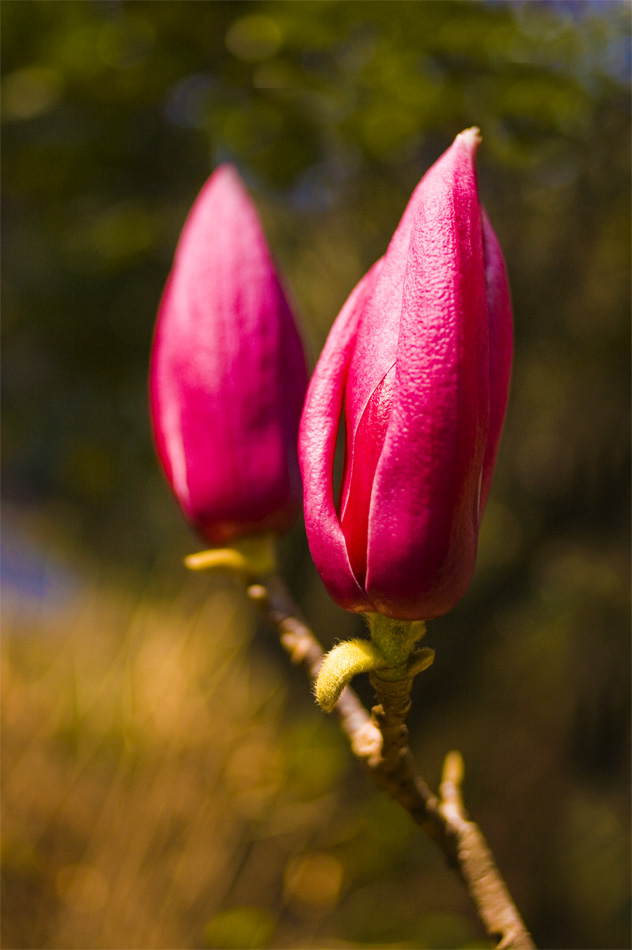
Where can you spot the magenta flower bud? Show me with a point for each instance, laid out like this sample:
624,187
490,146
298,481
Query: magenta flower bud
418,362
228,373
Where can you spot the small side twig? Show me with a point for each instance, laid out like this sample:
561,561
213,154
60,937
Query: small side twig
476,863
381,741
444,820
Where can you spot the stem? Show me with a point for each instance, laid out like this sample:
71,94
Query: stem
444,820
273,598
382,743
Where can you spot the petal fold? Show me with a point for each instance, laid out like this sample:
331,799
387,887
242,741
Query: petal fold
317,447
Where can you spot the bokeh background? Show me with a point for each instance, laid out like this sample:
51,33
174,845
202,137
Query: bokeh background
167,779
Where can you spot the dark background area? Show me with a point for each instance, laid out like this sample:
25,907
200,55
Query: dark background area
149,800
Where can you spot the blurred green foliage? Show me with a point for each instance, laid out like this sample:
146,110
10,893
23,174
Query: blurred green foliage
114,113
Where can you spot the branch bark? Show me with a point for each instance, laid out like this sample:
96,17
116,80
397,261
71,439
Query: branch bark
381,741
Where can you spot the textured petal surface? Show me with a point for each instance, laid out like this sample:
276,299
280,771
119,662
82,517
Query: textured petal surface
317,448
370,379
228,373
375,347
425,503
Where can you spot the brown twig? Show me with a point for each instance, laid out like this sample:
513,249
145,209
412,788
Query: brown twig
381,741
304,650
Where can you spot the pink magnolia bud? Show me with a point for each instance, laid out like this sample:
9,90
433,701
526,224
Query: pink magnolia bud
418,362
228,372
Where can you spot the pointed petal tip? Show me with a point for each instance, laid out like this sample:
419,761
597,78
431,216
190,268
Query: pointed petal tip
227,170
227,175
471,138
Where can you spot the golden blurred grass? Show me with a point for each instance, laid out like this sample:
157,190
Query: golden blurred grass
133,759
169,783
159,791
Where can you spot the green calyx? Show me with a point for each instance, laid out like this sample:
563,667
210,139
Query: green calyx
389,655
395,639
248,557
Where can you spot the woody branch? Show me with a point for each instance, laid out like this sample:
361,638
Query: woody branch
380,740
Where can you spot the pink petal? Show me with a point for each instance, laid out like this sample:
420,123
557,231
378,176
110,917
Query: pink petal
317,446
363,453
425,501
375,347
369,386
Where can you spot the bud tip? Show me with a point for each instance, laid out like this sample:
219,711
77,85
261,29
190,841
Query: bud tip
472,138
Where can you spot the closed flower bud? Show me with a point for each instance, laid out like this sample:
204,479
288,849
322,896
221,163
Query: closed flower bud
418,365
228,373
